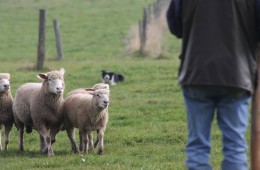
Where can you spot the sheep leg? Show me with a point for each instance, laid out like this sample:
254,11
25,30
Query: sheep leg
83,144
21,131
8,128
1,127
71,135
47,138
101,142
86,142
43,146
90,143
96,142
54,132
20,128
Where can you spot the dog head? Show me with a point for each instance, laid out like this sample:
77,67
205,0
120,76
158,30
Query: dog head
111,77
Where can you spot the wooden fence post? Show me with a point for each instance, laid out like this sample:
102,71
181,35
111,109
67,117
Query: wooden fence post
41,41
58,39
143,31
156,7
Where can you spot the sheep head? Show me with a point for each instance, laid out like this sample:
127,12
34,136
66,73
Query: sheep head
54,81
100,97
4,82
100,86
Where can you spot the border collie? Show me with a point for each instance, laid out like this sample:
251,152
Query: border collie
111,78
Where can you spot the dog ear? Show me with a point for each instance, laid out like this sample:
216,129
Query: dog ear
121,77
103,73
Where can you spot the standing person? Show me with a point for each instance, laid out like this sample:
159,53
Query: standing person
217,75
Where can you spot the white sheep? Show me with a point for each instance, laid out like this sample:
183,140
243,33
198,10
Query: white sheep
88,112
39,106
6,113
85,91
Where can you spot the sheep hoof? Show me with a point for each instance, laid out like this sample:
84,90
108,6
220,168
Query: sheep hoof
53,141
51,154
92,150
100,152
76,150
21,148
28,129
82,150
44,151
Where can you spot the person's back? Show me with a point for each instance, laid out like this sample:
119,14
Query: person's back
219,43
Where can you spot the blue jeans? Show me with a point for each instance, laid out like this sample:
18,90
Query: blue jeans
231,108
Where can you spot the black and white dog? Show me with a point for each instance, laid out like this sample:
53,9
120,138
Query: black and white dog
111,78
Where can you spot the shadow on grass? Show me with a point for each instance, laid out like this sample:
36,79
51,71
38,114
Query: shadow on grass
31,154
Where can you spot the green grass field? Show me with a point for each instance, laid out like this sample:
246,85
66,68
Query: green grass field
147,121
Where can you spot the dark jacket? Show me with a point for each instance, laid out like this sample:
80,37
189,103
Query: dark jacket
219,43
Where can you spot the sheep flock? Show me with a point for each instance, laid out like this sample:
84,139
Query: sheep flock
41,106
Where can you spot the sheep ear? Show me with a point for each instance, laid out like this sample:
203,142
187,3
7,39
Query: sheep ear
62,70
42,76
90,91
8,75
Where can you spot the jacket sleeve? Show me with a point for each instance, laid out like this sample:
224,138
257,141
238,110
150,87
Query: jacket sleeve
174,19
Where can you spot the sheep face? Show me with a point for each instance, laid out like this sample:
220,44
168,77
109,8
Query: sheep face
101,98
4,82
55,81
56,86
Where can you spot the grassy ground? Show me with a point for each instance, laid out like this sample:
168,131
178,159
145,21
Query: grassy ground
147,121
